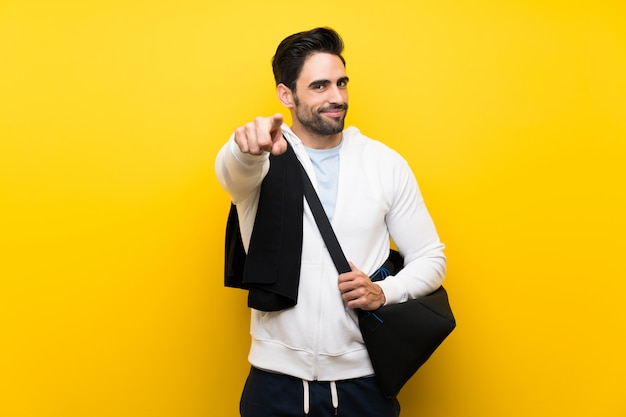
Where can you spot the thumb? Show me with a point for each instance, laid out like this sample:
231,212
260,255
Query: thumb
353,267
279,147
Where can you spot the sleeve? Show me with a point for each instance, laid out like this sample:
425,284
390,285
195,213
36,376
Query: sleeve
414,233
238,173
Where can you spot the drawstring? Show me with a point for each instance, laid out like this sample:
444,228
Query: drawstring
306,396
333,396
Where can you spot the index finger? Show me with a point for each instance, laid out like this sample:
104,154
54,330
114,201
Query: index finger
276,122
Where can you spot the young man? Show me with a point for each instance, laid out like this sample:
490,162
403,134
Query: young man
307,353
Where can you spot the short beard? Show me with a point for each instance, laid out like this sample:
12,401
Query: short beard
314,122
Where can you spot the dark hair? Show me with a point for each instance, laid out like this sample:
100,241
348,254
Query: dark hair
295,49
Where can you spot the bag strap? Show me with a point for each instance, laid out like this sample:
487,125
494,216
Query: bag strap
323,224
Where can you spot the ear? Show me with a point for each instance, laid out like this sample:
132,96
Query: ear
285,96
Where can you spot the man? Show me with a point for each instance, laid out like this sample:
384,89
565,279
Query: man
307,355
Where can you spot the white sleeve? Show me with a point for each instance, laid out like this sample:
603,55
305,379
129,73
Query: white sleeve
413,231
240,174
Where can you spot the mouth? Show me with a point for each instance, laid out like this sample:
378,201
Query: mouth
335,112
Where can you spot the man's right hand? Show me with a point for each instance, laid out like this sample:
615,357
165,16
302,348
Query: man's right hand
263,134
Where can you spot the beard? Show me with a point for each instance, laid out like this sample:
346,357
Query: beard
314,122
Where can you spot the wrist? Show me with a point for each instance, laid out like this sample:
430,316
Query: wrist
381,298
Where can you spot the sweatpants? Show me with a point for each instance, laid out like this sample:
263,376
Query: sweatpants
268,394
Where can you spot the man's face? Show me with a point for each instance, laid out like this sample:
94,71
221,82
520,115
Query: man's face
321,97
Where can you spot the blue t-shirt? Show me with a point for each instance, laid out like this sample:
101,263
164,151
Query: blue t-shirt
326,165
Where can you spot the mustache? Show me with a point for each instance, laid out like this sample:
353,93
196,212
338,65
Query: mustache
334,107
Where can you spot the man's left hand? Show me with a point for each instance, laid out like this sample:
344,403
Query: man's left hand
358,291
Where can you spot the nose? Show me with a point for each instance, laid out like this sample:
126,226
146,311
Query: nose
337,95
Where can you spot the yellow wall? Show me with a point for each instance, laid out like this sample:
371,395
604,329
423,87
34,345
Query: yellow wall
512,114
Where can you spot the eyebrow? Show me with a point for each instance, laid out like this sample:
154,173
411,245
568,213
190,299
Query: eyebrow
326,82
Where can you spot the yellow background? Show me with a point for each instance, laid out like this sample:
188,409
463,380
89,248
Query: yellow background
511,113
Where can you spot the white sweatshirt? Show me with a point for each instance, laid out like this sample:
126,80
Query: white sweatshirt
378,198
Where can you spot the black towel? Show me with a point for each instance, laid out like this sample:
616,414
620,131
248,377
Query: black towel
271,269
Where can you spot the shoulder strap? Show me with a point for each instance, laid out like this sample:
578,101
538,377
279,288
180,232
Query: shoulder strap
328,234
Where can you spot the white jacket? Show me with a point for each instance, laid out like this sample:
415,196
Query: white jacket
378,197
